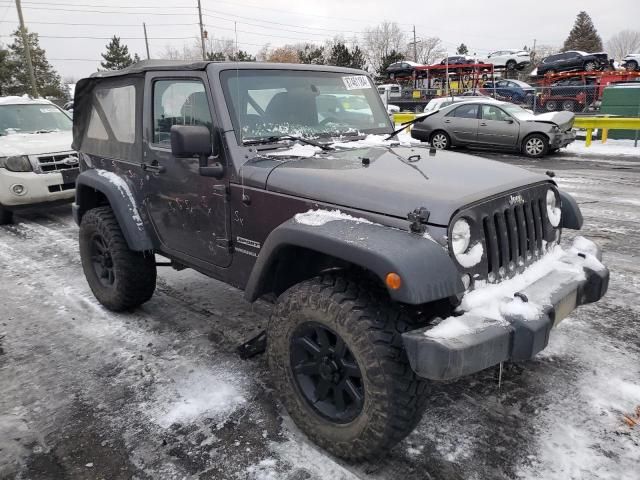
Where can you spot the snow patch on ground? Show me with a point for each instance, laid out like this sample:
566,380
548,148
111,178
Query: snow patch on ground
597,149
317,218
124,190
200,393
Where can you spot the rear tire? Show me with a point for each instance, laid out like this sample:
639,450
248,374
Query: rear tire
119,277
551,106
631,66
511,65
589,66
535,145
440,140
569,106
6,216
315,326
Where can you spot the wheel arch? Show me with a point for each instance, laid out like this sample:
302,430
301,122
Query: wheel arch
95,190
294,252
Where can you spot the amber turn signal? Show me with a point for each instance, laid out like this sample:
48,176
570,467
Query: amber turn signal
393,281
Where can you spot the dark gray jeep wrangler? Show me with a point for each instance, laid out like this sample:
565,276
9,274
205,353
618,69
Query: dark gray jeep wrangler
279,180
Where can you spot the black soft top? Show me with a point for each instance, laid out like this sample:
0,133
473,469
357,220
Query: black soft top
151,65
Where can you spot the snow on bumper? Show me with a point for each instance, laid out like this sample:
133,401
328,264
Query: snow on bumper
514,328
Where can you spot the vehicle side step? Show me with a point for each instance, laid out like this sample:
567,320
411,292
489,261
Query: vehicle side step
254,346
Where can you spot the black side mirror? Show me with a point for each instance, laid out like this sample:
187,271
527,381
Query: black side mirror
190,141
509,120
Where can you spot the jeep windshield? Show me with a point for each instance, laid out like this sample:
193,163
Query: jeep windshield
271,104
32,118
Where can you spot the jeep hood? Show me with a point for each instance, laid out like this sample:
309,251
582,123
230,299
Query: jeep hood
35,143
397,180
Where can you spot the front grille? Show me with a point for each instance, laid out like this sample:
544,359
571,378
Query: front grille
513,236
57,162
513,229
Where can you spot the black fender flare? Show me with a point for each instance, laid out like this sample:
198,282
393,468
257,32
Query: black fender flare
427,272
122,202
571,214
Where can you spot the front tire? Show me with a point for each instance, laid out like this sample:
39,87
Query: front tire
119,278
569,106
589,66
6,216
337,360
631,66
511,65
535,145
440,140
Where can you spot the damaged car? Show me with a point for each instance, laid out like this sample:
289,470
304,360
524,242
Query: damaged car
370,246
495,125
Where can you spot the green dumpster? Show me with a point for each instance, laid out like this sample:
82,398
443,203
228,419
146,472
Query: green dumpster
622,100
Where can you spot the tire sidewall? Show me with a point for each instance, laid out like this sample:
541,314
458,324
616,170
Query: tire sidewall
446,136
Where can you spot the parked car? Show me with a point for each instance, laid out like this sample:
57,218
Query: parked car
362,244
631,62
441,102
498,125
572,60
510,59
457,60
402,69
37,165
511,90
569,94
389,90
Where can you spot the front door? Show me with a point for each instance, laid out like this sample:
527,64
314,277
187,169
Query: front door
497,127
190,212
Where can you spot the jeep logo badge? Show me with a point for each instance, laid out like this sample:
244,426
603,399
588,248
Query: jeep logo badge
516,200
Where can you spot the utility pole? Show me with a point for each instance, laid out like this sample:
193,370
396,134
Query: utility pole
27,50
415,46
533,50
204,53
146,40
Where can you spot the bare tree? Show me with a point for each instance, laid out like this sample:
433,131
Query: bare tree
284,54
429,50
186,52
543,51
623,43
381,40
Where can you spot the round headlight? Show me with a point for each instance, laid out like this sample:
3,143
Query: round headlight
18,163
460,236
553,212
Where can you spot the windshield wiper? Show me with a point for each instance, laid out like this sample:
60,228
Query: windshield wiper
274,138
405,125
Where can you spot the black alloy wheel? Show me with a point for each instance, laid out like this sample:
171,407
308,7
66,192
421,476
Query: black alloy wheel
102,261
326,372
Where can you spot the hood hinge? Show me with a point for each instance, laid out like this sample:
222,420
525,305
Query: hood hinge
418,219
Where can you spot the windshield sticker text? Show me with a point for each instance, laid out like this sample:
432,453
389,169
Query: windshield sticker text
356,82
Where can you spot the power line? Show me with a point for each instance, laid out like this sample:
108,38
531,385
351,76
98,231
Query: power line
137,25
94,5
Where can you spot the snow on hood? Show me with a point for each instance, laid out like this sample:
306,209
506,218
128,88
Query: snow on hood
35,143
301,150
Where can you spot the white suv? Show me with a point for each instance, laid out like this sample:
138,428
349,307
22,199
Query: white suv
510,59
631,62
37,165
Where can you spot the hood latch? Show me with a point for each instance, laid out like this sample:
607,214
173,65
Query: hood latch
418,219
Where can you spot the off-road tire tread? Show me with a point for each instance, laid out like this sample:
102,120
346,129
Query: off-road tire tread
135,271
365,309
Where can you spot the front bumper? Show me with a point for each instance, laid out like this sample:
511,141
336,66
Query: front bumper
38,188
514,337
562,139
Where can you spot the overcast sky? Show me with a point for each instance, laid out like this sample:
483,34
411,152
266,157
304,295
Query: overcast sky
482,26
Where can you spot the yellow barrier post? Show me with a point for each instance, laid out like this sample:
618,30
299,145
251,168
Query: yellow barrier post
605,135
587,141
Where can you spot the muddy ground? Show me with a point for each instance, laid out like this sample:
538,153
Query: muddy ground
160,393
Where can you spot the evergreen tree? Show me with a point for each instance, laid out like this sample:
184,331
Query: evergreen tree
392,57
357,58
216,56
462,49
311,55
117,56
48,82
6,70
242,56
583,36
339,56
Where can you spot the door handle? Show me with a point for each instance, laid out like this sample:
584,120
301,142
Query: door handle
447,121
153,167
483,124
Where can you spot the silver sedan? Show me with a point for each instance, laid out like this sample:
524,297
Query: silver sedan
496,125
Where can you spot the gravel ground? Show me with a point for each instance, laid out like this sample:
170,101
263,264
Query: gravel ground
160,393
